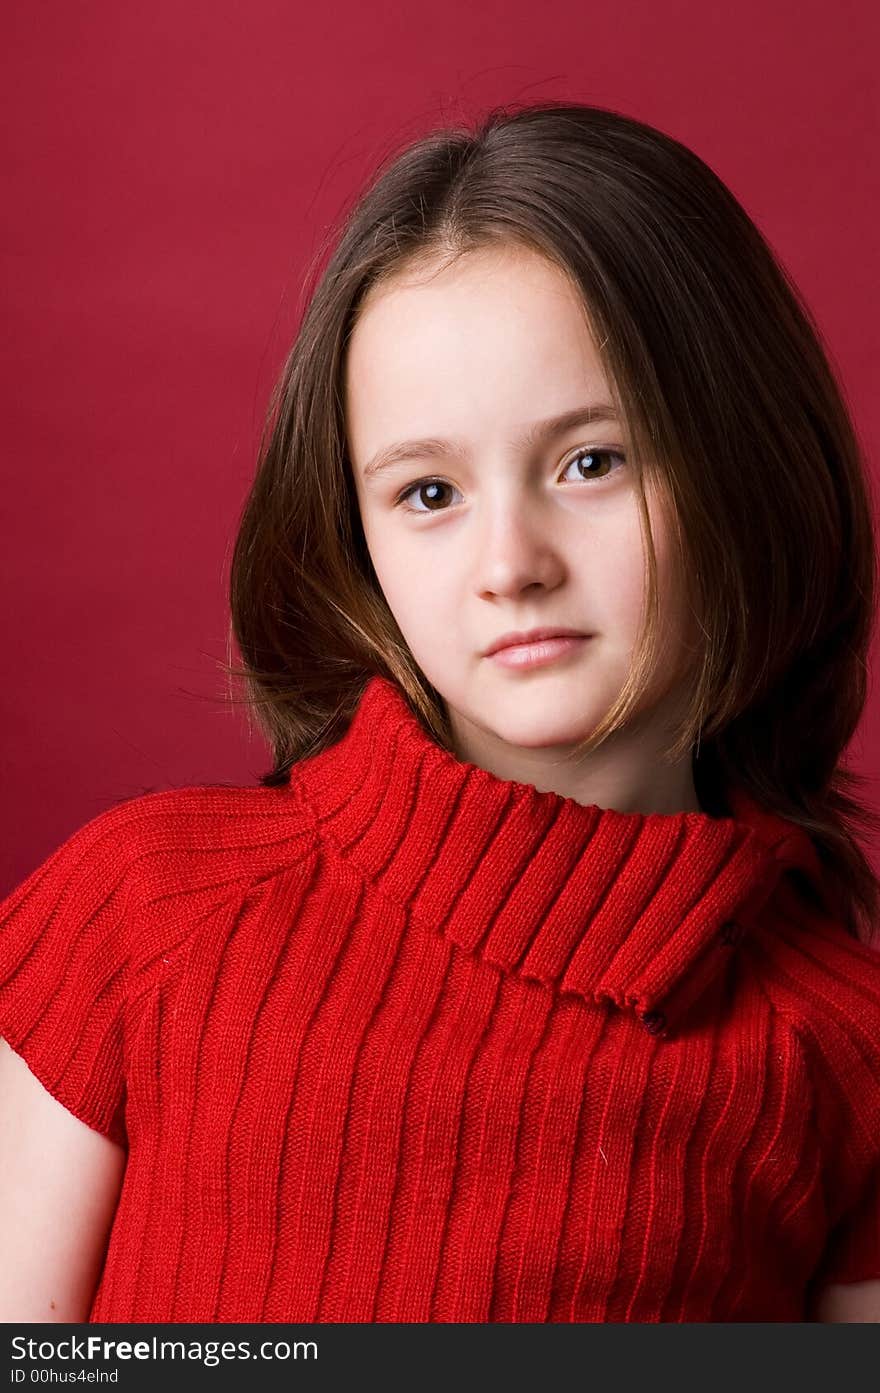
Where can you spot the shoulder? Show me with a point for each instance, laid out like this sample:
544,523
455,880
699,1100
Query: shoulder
110,917
812,968
826,985
219,820
228,825
146,860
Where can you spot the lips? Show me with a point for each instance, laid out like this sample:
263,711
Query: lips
523,637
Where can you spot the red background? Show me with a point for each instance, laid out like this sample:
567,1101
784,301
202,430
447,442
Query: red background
171,170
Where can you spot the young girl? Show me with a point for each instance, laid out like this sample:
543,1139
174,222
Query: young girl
534,982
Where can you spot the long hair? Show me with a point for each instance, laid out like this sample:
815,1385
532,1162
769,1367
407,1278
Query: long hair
728,401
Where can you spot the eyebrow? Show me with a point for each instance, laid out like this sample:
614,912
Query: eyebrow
542,431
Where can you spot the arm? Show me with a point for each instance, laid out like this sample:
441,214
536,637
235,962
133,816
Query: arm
848,1301
59,1185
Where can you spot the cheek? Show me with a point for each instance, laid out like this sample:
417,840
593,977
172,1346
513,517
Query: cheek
416,594
386,556
623,604
613,576
617,579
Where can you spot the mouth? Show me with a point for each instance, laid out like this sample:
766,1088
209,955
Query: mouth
523,637
539,652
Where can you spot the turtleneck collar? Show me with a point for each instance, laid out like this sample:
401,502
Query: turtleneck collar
640,910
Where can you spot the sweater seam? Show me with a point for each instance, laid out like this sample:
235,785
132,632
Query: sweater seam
170,960
800,1025
794,1028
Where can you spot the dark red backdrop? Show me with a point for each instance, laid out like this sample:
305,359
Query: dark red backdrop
170,171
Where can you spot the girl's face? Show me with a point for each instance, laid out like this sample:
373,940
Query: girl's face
486,523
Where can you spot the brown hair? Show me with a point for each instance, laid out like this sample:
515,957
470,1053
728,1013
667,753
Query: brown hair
727,397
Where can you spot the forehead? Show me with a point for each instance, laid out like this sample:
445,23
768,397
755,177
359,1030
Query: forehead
490,325
508,270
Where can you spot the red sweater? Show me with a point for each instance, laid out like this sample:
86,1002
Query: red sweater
407,1042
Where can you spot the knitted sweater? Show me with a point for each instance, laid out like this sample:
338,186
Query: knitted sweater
404,1041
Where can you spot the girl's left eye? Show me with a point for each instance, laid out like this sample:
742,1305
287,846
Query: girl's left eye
595,455
591,455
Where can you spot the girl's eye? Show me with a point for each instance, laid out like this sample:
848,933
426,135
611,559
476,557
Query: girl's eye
592,456
421,486
590,471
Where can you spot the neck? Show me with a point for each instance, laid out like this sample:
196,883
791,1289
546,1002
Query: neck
628,772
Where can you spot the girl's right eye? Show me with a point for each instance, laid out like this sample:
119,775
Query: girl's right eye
416,488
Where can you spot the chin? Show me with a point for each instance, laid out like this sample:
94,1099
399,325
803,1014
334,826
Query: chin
541,734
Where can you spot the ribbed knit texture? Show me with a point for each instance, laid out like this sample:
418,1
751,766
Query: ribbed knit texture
404,1041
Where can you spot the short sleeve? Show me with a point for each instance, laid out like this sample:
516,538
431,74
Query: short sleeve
826,982
853,1250
64,967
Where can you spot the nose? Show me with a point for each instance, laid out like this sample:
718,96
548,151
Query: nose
515,548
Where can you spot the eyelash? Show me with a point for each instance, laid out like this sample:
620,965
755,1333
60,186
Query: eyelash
400,501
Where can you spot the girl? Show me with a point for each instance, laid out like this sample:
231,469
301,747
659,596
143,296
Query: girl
533,983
